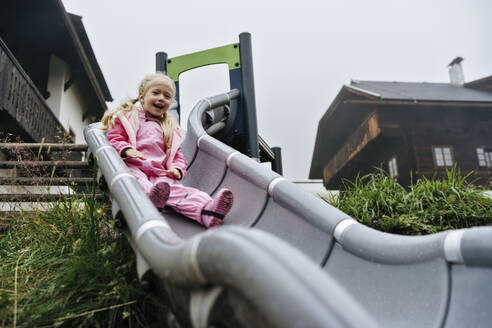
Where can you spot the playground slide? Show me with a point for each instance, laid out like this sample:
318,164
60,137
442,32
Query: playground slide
285,258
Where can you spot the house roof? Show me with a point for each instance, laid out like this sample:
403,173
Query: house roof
353,103
81,43
84,39
34,29
484,83
421,91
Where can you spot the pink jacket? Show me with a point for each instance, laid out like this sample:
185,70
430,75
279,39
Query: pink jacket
123,135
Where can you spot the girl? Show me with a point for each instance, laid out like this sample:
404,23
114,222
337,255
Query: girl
149,141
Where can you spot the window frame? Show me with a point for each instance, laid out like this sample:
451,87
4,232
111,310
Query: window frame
444,164
487,157
393,167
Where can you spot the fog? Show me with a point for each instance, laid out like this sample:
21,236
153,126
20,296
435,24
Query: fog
303,51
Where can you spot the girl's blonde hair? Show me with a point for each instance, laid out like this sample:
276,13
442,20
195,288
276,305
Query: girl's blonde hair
168,124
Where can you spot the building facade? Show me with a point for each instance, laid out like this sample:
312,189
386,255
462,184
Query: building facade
50,82
408,129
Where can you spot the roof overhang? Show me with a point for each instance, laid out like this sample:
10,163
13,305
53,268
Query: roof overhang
484,83
418,103
345,115
94,65
91,76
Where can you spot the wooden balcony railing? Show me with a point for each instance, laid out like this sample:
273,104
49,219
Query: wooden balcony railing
20,98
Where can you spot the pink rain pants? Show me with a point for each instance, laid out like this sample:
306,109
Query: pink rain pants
149,171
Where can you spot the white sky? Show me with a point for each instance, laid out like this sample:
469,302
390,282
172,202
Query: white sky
303,51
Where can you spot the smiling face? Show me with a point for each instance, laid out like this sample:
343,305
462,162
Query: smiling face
157,99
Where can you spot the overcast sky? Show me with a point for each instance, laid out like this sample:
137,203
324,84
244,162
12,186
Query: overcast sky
303,51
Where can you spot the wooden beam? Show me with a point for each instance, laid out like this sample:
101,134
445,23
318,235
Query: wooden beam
364,134
49,197
44,164
442,171
44,146
56,181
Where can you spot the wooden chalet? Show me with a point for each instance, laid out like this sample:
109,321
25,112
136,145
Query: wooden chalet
50,81
425,128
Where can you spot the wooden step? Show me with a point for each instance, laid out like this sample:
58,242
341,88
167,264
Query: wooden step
47,197
5,221
24,181
43,146
9,212
44,164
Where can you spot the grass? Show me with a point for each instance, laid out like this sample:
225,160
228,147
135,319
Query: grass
67,267
427,206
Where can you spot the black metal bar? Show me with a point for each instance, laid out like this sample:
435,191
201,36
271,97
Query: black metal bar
277,161
160,62
178,107
266,153
248,94
235,125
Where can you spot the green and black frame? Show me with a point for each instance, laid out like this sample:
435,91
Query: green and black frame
242,131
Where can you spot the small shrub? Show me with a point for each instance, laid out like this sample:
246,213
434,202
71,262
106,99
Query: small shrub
428,206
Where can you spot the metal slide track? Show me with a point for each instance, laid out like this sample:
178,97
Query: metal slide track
285,258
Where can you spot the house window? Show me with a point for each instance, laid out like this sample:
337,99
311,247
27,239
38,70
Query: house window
443,156
393,168
484,156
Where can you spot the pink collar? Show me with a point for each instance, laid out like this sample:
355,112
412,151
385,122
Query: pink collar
148,116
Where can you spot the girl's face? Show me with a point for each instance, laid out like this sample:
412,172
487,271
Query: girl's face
157,99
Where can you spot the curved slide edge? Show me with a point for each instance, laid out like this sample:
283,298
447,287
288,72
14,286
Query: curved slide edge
375,267
360,240
255,264
424,267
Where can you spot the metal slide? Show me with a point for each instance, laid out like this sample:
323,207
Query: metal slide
285,258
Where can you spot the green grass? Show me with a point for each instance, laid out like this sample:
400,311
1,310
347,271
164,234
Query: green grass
427,206
67,267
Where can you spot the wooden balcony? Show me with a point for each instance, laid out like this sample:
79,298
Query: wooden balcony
23,110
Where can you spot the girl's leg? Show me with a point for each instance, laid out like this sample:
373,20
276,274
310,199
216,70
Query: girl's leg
142,179
188,201
214,212
198,205
157,192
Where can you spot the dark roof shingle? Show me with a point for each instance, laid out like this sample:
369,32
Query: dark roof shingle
422,91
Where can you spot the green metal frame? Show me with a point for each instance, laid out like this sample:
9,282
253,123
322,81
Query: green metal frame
228,54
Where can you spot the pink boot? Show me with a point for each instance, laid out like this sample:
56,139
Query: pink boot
160,194
214,212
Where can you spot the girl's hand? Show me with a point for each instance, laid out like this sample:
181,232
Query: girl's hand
175,173
131,152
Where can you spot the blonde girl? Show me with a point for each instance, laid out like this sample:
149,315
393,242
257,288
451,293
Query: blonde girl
148,139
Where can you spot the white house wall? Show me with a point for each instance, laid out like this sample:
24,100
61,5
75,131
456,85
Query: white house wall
72,109
68,106
57,76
